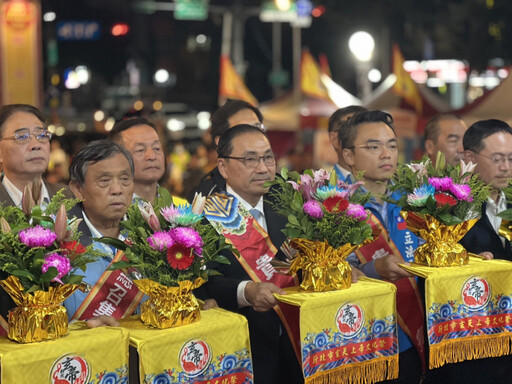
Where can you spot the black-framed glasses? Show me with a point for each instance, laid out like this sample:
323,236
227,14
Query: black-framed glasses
254,161
497,158
376,148
23,135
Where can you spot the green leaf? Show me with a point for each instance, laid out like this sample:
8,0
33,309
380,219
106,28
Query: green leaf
120,265
221,259
119,244
284,173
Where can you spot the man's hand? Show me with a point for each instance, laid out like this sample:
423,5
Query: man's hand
209,304
356,274
261,295
102,321
486,255
387,267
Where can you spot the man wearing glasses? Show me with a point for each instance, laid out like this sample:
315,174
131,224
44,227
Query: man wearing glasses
370,146
247,284
24,156
488,143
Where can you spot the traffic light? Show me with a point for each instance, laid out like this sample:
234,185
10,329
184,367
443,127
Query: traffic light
120,29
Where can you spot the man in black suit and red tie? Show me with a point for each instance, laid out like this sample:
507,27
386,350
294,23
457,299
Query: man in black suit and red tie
247,285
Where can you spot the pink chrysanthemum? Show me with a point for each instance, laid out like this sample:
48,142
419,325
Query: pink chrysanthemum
188,237
441,184
357,212
160,241
314,209
462,192
37,237
170,213
60,262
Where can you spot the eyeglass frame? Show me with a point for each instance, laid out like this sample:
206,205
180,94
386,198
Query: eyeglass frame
246,158
378,144
501,161
38,131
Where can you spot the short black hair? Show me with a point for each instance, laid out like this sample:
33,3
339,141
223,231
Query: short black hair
225,147
123,125
479,131
10,109
348,134
432,129
339,115
220,117
92,153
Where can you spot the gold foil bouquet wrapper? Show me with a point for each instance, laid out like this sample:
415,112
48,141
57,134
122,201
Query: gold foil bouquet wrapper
38,315
441,248
506,229
169,306
324,268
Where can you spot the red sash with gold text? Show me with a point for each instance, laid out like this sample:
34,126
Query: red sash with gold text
236,224
114,294
408,299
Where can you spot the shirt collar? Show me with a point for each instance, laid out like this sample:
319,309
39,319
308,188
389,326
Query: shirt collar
258,206
16,195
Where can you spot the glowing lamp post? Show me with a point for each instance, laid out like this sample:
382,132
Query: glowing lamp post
361,45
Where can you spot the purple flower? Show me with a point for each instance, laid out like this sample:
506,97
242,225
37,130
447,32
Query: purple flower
188,237
60,262
37,237
462,192
160,241
314,209
357,212
441,184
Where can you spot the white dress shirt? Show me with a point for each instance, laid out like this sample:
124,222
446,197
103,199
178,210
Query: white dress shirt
16,195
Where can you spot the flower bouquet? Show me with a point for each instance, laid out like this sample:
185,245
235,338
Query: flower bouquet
326,222
440,204
170,247
40,254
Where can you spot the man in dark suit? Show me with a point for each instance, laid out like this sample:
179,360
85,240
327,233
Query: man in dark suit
488,143
232,113
24,157
247,285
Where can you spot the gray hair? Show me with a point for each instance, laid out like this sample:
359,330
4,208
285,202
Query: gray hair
92,153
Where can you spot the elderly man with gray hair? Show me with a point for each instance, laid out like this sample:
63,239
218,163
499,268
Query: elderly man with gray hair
102,177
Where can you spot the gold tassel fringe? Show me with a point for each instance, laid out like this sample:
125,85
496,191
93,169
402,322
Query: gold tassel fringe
367,372
471,348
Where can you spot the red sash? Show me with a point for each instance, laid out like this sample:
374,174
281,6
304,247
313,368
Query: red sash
237,225
408,299
114,294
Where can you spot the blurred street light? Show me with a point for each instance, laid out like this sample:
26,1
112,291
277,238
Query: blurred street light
361,45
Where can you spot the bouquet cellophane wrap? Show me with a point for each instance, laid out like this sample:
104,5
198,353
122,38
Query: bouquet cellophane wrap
38,315
91,356
506,230
324,268
468,310
169,306
222,345
346,336
441,248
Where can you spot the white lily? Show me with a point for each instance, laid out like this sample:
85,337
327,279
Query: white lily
198,203
466,168
148,213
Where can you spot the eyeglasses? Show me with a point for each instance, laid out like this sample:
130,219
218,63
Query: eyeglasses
376,148
254,161
22,135
498,158
260,126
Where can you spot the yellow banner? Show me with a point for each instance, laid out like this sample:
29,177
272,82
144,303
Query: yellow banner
310,78
231,85
468,310
346,336
84,356
20,52
405,85
215,349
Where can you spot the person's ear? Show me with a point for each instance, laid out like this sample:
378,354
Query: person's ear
221,165
333,138
469,156
76,189
348,156
429,147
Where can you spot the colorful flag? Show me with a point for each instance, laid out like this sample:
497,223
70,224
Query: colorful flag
231,84
324,64
310,78
404,85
